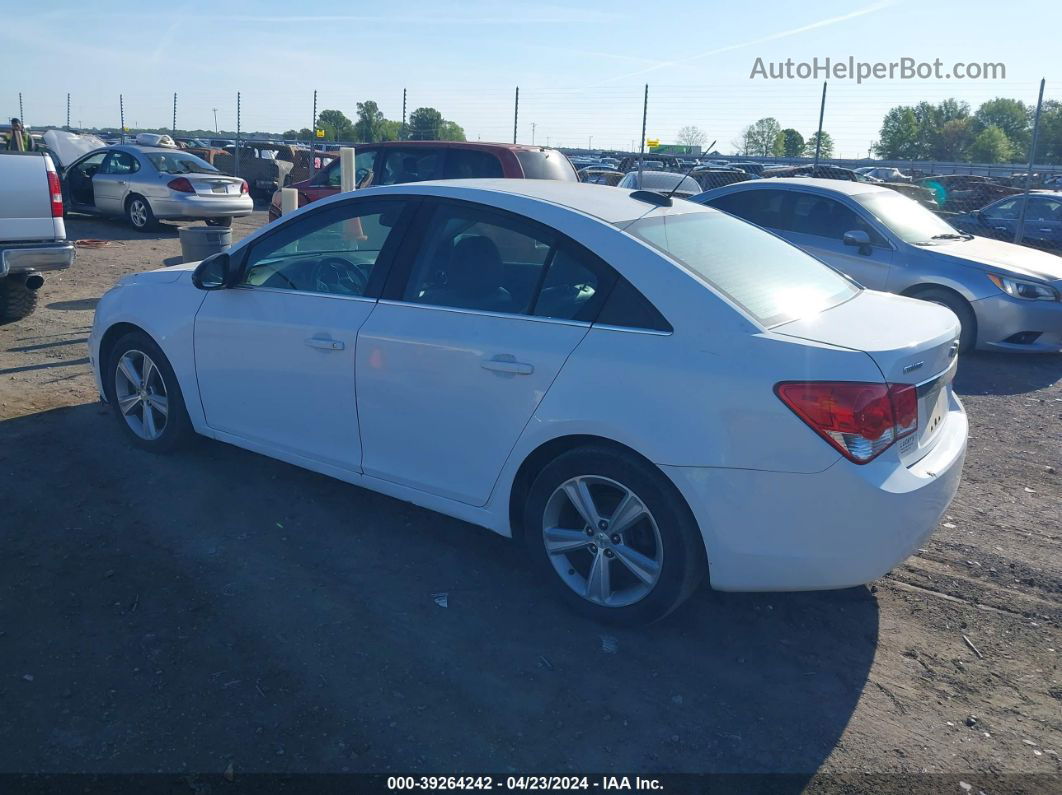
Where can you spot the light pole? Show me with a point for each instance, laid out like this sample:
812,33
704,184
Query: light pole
532,133
590,142
215,121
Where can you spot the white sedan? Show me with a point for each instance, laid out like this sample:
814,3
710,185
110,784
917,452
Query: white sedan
645,391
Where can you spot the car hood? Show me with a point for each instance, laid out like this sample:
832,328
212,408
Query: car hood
68,146
999,255
166,275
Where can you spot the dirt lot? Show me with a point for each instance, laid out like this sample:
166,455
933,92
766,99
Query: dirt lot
183,613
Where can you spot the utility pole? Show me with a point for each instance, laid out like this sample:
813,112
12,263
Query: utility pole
590,142
68,111
532,133
516,112
641,150
818,136
121,116
313,134
21,117
402,130
216,122
237,169
1020,232
174,128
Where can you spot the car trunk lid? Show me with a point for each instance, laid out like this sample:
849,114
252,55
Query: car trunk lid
215,185
911,342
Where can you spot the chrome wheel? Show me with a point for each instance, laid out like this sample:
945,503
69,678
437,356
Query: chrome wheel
138,212
140,393
602,541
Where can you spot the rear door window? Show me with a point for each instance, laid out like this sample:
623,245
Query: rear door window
471,164
760,207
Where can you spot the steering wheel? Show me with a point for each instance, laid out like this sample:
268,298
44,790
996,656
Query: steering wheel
339,275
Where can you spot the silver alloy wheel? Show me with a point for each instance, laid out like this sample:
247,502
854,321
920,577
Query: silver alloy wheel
138,212
140,393
602,541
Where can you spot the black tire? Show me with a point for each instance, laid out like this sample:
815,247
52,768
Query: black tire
222,221
178,428
683,561
16,300
139,214
958,305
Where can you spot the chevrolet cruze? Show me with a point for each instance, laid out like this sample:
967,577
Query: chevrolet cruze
643,390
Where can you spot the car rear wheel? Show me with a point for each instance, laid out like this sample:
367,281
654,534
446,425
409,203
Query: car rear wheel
962,310
613,536
139,214
143,391
16,300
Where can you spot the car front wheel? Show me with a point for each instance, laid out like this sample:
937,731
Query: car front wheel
613,535
143,391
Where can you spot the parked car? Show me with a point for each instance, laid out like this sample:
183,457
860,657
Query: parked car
649,160
598,175
1042,226
663,182
709,177
148,184
393,162
1006,297
821,171
756,169
884,174
568,364
965,192
32,231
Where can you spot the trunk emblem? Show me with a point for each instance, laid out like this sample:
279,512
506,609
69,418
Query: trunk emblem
912,367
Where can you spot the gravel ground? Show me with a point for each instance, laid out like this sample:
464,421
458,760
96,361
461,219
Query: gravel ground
216,607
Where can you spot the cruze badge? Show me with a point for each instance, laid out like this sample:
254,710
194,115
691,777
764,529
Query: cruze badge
912,367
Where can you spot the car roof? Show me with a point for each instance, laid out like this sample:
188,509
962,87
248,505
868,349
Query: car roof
612,205
844,186
452,145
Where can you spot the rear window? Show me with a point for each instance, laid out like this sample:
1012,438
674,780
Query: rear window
180,163
770,279
546,164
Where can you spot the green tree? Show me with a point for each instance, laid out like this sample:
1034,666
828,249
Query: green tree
424,124
991,146
1049,143
336,125
953,140
762,136
451,131
792,143
827,145
1010,116
898,138
369,124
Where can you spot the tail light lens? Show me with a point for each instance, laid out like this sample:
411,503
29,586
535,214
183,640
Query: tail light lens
243,186
861,420
180,184
56,192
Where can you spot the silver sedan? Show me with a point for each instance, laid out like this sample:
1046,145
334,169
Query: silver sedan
148,184
1007,297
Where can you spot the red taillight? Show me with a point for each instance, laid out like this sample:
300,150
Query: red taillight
180,184
861,420
243,186
56,192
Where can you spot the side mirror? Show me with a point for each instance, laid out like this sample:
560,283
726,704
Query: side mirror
213,273
857,237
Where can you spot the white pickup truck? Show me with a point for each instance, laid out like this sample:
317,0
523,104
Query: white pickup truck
32,232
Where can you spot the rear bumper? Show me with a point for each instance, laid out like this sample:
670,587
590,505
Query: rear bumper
845,526
37,257
199,207
1000,317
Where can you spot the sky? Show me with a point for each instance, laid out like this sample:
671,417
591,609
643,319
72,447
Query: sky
581,67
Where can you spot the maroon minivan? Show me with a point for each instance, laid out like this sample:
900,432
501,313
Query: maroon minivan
392,162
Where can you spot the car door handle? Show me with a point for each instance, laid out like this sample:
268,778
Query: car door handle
325,344
506,363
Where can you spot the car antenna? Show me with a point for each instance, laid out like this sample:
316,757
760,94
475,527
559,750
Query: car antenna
689,171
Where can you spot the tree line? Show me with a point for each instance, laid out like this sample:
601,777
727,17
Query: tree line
999,131
767,138
370,125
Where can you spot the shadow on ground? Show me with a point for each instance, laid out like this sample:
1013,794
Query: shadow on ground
983,373
181,612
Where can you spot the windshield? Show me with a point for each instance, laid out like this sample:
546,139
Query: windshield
770,279
906,218
180,163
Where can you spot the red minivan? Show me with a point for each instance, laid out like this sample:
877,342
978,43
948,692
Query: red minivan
392,162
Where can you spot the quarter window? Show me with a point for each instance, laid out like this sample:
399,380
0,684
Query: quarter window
335,251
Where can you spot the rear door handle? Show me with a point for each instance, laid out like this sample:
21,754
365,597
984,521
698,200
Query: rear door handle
506,363
325,344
